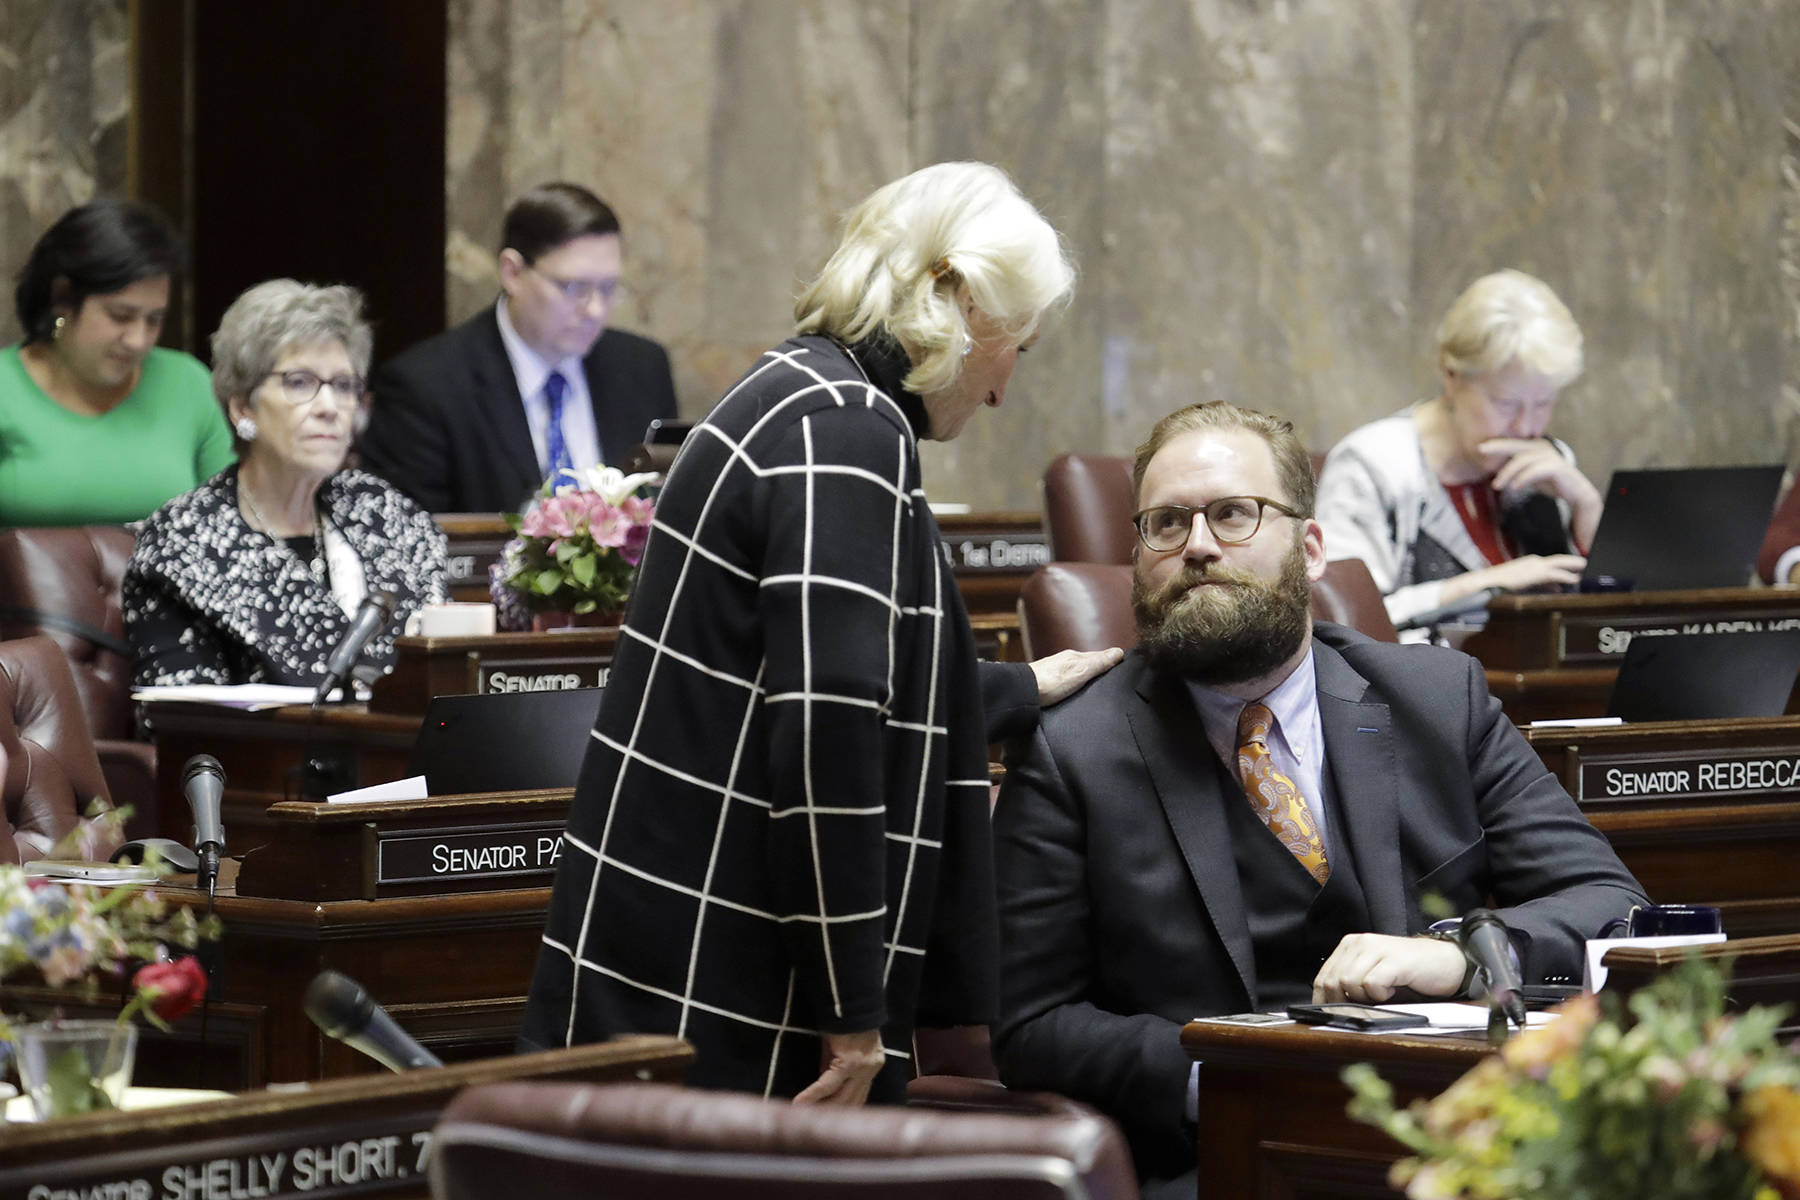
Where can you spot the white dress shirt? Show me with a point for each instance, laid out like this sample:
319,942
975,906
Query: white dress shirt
530,370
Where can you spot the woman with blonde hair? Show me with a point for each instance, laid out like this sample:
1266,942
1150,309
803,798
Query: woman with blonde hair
778,847
1466,492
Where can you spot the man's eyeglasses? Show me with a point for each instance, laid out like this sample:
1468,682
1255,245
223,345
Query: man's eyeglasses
1231,518
578,291
300,387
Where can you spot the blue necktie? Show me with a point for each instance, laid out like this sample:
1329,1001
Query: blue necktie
557,389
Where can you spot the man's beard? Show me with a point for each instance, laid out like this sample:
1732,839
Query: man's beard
1239,628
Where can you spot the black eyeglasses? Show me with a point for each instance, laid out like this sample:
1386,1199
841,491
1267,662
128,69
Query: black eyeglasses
1231,519
301,387
577,291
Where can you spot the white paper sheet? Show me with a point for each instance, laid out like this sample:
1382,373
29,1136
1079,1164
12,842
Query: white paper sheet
1596,947
250,696
410,788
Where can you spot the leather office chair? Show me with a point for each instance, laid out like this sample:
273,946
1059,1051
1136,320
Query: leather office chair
47,762
575,1141
1087,508
64,584
1087,606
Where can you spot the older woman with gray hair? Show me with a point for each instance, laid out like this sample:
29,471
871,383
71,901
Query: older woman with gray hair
778,847
255,576
1466,491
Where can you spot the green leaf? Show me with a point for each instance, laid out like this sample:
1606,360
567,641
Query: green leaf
582,568
547,581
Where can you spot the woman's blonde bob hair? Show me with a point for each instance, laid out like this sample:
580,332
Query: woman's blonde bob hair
1510,317
909,249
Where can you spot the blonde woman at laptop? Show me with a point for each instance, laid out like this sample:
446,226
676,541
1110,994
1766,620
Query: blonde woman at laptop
1466,492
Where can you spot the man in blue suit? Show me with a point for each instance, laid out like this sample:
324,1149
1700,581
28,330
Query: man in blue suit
1248,812
476,418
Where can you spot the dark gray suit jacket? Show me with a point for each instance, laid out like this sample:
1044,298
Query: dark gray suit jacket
448,427
1121,916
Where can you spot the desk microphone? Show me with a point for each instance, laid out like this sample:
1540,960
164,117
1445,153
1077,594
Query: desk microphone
203,783
342,1009
1485,942
376,610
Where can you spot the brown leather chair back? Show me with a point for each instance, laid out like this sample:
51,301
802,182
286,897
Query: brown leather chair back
64,583
51,773
1346,595
1087,508
1087,606
1076,606
573,1141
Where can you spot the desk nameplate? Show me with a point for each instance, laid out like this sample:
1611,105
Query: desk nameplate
1583,640
1015,552
343,1158
469,560
1689,775
542,674
500,856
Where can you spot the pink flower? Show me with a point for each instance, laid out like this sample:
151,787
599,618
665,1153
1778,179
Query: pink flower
607,525
552,517
638,510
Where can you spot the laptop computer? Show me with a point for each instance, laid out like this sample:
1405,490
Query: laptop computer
504,741
1681,527
1703,676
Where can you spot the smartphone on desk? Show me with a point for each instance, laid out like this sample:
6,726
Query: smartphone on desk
1353,1016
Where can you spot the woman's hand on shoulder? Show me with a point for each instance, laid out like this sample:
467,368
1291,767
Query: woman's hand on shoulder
1062,674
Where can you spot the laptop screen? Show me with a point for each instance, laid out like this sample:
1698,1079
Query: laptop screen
504,741
1684,527
1705,676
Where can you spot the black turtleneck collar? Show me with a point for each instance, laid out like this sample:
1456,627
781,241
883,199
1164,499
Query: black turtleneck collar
884,360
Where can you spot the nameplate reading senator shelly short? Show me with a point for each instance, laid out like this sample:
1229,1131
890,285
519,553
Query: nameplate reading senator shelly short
501,853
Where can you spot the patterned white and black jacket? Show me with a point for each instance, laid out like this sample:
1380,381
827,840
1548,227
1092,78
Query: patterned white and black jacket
781,827
209,600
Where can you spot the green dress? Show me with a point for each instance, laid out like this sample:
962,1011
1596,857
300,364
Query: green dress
59,468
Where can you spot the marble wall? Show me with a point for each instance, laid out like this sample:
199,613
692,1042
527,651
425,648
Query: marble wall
63,119
1271,200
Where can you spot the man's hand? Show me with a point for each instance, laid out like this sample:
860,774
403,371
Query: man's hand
1370,967
1532,570
1065,671
850,1062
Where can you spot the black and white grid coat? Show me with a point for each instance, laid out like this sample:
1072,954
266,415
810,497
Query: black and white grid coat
781,827
208,599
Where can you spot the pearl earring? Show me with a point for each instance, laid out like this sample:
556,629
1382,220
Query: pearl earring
968,345
246,429
57,328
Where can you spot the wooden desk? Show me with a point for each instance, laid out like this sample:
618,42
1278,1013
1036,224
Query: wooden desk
369,1136
436,907
1272,1119
1557,655
1702,812
993,554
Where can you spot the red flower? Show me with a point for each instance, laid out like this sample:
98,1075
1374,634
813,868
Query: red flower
173,988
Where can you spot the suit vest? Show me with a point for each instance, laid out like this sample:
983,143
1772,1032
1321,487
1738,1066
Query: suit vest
1294,923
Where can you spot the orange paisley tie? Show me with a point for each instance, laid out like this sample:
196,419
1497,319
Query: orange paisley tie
1273,795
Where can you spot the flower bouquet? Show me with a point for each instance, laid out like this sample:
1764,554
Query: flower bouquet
576,547
78,937
1683,1102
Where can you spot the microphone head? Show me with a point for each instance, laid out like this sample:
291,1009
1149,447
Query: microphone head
383,599
201,764
338,1004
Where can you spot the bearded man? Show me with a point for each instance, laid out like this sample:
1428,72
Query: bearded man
1248,812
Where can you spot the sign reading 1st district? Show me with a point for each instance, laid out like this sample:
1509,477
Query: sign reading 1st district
386,1156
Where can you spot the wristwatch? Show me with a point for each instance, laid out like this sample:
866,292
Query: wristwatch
1448,930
